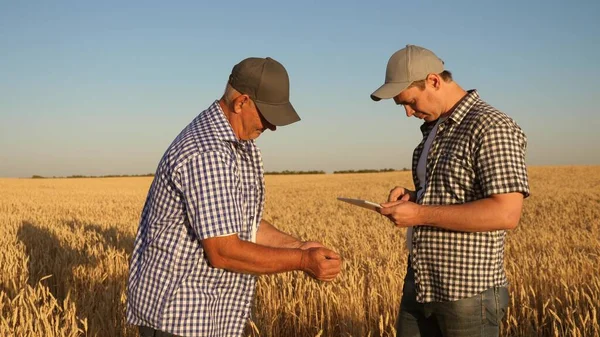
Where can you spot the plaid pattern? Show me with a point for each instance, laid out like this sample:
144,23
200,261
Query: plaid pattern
478,151
207,184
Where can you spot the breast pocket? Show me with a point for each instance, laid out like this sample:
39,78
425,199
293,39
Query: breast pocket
455,173
250,190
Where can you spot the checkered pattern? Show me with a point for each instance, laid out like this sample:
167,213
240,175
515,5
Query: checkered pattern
478,151
207,184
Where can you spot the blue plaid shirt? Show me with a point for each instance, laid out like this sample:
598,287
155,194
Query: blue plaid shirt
208,183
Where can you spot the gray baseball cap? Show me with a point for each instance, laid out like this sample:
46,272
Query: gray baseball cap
267,83
407,65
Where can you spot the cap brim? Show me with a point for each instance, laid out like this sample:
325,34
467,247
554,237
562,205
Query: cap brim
278,114
389,90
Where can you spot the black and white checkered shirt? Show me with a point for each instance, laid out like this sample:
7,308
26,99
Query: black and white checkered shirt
478,151
208,183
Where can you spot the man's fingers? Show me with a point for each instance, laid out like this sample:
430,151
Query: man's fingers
325,264
398,193
394,195
386,211
326,253
332,256
389,208
325,276
331,267
390,204
330,273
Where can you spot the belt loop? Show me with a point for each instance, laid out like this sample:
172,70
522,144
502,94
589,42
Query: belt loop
497,299
483,313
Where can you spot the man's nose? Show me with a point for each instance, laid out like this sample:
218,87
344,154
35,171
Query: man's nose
409,111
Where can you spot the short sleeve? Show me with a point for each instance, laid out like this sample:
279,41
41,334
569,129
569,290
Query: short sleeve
210,185
500,160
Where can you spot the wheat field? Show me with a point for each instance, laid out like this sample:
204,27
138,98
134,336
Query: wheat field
66,245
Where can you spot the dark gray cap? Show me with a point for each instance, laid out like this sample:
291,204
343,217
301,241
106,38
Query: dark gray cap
267,83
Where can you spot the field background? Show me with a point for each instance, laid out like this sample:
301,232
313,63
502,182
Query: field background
65,246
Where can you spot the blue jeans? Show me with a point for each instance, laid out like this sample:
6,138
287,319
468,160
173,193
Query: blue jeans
479,315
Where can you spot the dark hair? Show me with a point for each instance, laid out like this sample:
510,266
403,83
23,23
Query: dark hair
446,75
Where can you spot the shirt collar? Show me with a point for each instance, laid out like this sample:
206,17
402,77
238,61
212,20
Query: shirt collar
464,106
460,111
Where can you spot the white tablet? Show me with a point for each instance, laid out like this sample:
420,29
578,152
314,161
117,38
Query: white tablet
362,203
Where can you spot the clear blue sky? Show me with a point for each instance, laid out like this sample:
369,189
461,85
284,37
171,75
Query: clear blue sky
103,87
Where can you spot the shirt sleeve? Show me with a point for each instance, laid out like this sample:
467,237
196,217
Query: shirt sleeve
210,187
500,163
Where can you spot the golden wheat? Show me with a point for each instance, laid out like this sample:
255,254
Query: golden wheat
66,245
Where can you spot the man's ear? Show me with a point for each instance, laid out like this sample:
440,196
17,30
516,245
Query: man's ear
434,80
239,102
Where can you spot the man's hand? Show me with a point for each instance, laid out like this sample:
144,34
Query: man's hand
321,263
401,193
402,213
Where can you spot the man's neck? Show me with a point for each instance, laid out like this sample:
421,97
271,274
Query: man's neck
454,96
230,116
224,108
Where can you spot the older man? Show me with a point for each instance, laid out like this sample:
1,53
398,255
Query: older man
470,179
201,238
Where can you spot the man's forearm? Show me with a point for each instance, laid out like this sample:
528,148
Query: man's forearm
270,236
233,254
247,257
478,216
